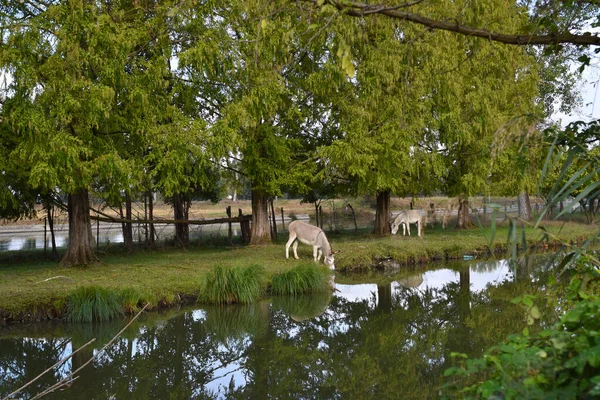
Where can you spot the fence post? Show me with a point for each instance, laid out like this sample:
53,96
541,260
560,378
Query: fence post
245,227
230,234
282,221
97,235
45,237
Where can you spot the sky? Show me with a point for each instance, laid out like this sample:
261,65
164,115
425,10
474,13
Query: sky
590,93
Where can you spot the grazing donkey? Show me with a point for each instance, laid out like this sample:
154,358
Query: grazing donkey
312,236
405,218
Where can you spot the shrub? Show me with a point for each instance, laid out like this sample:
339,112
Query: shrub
304,278
233,285
93,303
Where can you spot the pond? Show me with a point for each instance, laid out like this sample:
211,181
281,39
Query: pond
379,335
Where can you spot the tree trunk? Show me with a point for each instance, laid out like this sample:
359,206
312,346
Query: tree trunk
80,250
382,214
151,218
260,218
127,227
274,220
180,213
524,206
317,213
50,214
384,298
463,221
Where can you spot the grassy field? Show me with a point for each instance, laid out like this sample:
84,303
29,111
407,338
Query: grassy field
35,289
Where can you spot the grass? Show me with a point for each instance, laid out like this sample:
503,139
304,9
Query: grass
233,285
302,279
35,289
93,303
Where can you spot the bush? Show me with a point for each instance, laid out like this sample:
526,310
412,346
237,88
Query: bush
93,303
560,362
305,278
233,285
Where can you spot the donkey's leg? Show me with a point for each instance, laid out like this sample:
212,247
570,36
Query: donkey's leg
316,254
288,244
296,250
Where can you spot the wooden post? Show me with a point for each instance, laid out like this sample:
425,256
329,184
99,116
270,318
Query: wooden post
97,235
282,221
321,216
353,216
245,228
44,237
230,233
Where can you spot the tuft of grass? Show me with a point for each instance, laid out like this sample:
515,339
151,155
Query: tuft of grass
233,285
305,278
93,303
130,299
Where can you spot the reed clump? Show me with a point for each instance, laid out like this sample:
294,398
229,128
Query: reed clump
93,303
233,285
304,278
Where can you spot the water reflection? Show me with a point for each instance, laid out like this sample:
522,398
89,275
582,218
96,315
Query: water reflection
33,238
390,339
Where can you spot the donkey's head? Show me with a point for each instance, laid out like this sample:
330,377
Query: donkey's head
394,227
329,260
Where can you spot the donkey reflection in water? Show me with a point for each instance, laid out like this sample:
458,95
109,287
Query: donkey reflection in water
312,236
405,218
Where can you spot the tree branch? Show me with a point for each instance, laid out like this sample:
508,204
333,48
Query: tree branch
358,9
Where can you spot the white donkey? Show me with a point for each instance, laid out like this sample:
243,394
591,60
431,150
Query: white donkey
312,236
405,218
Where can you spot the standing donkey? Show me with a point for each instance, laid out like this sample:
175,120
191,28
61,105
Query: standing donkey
312,236
405,218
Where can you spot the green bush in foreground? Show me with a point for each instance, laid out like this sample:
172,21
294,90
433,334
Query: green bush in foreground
304,278
562,362
93,303
233,285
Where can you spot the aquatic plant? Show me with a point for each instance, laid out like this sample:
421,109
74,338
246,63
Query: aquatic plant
232,285
304,278
93,303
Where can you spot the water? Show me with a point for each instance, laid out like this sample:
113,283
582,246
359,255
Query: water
377,336
31,237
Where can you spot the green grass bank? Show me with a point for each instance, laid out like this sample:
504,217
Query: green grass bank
33,289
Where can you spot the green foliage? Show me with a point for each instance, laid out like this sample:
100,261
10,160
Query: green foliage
305,278
233,285
131,299
560,362
93,303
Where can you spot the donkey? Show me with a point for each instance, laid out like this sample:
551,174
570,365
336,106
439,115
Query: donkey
312,236
405,218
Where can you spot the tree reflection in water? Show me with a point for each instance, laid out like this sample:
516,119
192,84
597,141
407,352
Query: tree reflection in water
394,341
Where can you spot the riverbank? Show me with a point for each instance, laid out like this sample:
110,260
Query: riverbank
35,290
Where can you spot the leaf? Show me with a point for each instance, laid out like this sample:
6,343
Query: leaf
558,344
535,312
541,354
